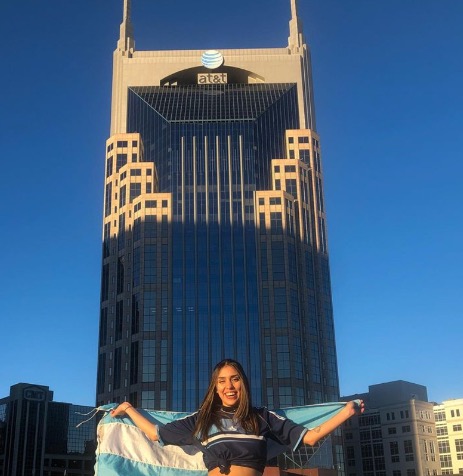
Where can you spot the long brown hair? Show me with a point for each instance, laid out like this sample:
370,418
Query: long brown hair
244,413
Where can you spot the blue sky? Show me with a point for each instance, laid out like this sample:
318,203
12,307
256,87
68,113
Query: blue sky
388,77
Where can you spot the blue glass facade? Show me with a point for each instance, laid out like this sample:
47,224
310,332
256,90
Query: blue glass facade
214,228
214,233
212,147
209,129
193,272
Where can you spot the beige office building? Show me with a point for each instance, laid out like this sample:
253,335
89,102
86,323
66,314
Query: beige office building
449,429
396,436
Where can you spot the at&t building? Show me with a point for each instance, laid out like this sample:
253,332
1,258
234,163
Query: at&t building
214,232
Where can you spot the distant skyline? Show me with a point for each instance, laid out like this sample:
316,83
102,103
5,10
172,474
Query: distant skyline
388,100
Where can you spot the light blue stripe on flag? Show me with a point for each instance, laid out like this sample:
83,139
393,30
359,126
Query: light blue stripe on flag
123,449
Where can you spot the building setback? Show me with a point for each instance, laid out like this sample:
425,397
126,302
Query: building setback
396,436
214,229
40,437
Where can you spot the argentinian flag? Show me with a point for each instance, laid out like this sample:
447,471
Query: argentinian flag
123,449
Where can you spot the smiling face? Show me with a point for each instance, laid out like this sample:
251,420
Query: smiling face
228,386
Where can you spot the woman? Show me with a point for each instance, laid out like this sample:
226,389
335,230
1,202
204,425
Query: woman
231,433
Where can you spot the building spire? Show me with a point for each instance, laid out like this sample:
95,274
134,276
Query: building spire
296,38
126,41
127,10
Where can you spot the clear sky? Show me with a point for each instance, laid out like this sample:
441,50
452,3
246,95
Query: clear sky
388,78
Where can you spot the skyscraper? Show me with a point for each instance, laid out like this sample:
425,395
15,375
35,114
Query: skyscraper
214,233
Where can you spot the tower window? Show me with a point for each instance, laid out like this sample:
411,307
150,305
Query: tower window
276,222
121,161
109,167
135,190
304,155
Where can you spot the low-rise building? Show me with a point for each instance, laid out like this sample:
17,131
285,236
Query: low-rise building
396,435
449,430
40,437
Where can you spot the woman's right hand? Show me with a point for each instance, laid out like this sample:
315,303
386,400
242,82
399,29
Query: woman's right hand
148,428
120,410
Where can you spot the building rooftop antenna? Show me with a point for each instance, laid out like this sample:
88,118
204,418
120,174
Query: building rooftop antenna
126,41
296,37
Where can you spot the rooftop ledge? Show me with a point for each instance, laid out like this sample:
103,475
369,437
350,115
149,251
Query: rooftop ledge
225,52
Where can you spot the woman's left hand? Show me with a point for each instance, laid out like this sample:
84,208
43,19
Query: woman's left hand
357,406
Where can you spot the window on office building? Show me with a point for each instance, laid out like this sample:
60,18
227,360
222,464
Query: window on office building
445,461
440,416
304,156
121,160
367,465
135,190
459,444
394,449
444,446
408,450
276,223
364,435
442,431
